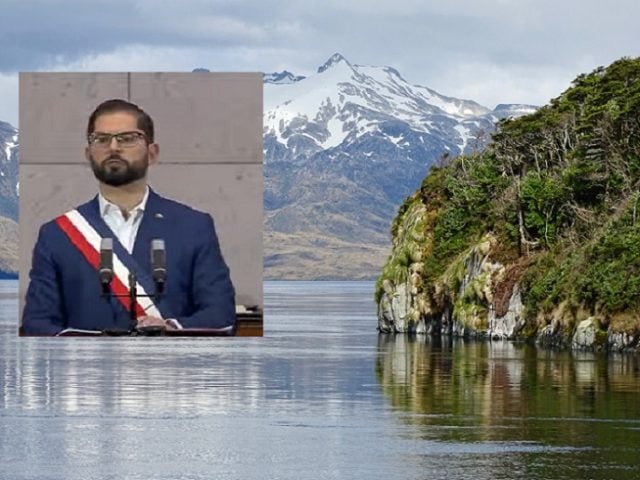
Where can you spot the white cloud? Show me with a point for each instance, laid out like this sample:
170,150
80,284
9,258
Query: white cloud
492,51
9,99
493,84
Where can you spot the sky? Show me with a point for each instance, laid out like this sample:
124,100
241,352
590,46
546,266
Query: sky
490,51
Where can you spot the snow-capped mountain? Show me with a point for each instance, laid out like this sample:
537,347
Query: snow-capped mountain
343,103
8,171
343,148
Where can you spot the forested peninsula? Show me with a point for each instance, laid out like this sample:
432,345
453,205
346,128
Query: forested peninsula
537,237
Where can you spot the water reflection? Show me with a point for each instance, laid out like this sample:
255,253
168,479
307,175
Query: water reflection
123,378
468,391
502,378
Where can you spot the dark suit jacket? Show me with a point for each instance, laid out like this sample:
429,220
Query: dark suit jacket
64,291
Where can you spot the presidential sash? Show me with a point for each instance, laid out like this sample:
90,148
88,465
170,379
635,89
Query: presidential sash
85,237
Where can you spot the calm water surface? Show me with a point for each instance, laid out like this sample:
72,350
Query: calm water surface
322,396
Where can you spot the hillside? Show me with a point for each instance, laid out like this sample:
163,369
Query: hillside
8,248
536,237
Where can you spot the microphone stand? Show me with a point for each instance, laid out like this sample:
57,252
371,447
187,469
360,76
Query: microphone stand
133,319
158,261
133,295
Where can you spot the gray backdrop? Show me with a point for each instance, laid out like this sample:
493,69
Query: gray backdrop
208,127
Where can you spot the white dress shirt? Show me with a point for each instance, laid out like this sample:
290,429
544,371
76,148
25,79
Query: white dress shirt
124,229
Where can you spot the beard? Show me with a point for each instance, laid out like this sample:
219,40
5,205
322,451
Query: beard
116,171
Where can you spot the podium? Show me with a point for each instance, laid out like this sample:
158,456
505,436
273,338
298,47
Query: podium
186,332
248,324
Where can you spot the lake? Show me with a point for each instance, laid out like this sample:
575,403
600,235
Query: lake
321,396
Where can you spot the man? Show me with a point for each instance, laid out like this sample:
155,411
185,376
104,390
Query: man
65,291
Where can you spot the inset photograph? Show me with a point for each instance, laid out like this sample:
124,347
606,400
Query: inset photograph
141,204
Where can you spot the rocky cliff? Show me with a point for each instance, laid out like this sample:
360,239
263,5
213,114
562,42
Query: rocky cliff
536,238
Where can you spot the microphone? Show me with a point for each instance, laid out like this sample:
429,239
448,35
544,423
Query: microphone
105,270
158,264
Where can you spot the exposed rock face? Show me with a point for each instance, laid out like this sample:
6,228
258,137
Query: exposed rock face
470,310
621,341
508,325
393,308
400,307
549,336
487,303
586,334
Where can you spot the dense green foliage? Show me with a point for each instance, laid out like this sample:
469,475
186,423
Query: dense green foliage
469,188
558,188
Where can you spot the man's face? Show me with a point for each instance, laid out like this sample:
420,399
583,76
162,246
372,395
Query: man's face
115,163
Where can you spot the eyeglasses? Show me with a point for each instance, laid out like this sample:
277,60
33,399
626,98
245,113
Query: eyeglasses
124,139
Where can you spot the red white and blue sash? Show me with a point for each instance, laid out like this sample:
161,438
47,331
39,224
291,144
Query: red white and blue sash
85,237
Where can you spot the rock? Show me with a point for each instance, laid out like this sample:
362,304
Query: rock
512,322
586,334
621,341
400,305
549,336
394,310
385,314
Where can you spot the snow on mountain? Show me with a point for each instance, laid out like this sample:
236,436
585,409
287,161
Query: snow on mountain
8,143
9,146
343,102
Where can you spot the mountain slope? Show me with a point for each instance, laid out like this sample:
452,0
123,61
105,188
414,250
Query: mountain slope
343,148
8,171
8,200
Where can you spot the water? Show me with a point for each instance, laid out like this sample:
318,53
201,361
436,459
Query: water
321,396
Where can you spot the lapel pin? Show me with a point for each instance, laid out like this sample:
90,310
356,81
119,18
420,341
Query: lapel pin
159,215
